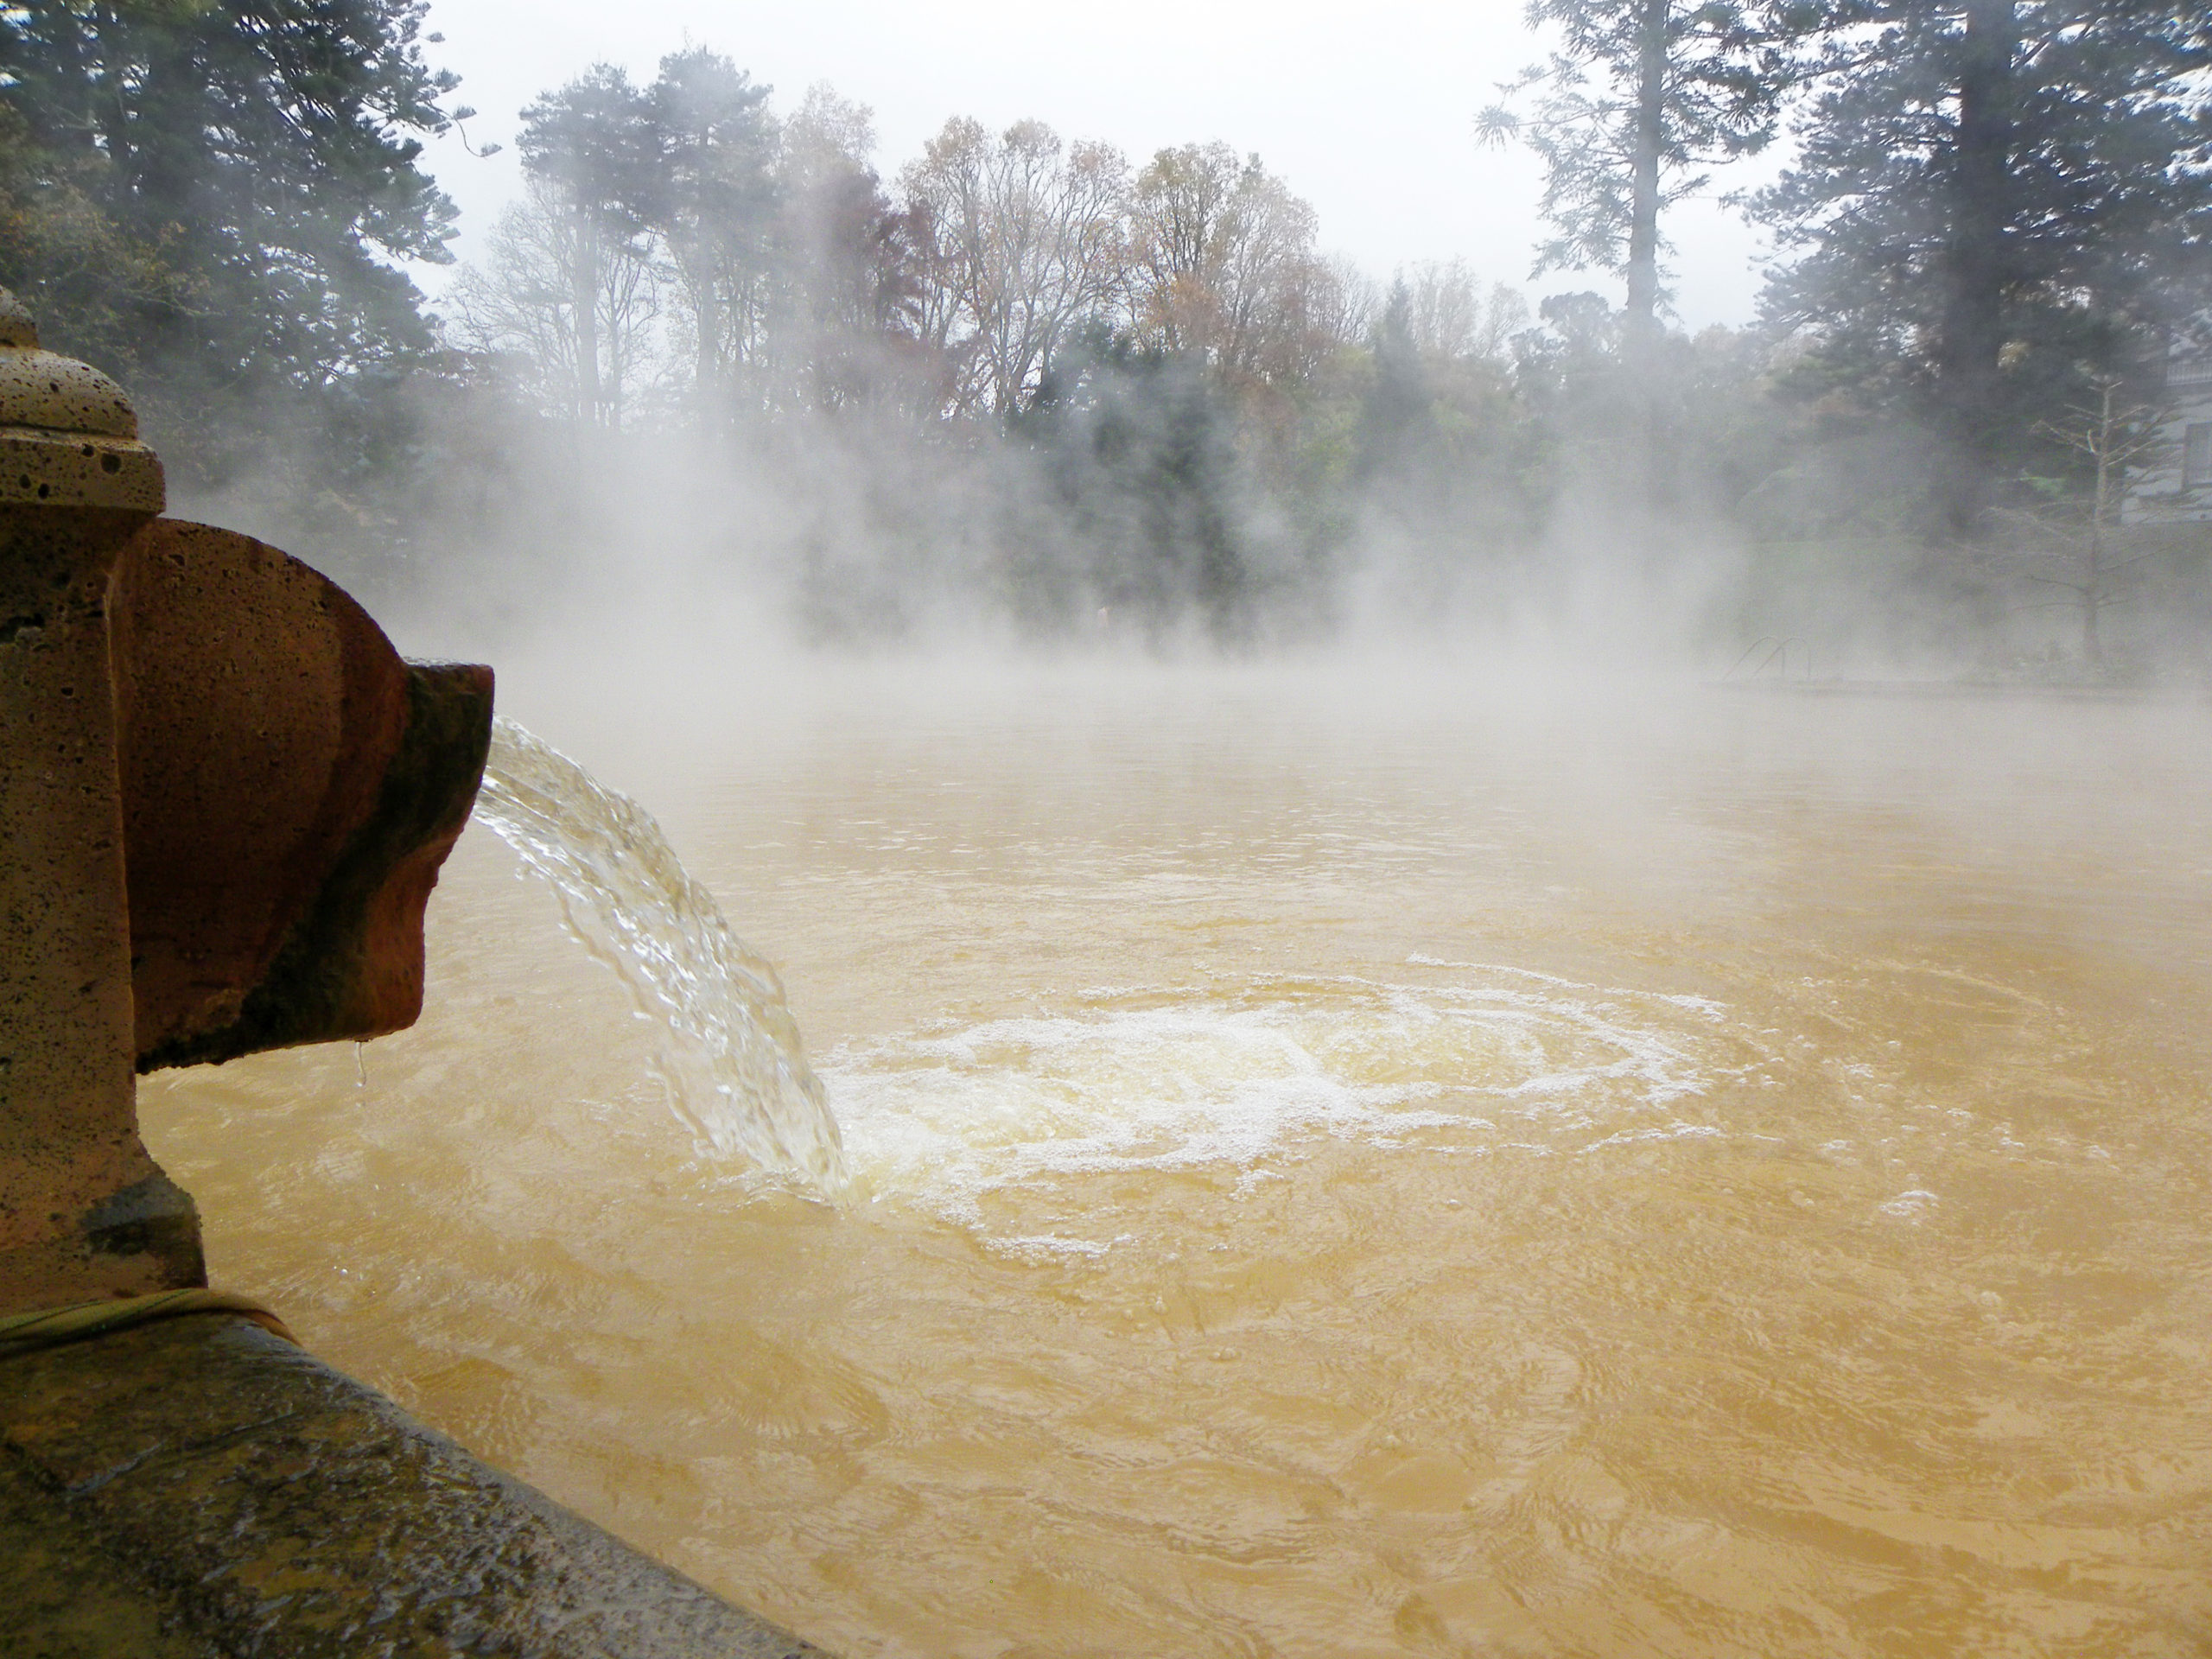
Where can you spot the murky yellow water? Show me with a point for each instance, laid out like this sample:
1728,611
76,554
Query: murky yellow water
1346,1169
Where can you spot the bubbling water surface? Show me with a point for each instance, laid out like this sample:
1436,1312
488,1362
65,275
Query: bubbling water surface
1331,1174
1128,1081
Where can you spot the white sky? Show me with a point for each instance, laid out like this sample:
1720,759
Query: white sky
1366,111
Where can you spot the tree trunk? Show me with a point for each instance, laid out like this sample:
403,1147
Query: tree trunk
586,302
1650,141
706,371
1975,261
2093,591
1641,336
706,363
74,92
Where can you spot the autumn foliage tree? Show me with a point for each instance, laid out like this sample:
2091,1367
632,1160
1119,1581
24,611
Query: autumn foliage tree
1027,242
1224,267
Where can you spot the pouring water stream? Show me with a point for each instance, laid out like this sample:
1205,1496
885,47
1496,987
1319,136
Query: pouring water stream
735,1069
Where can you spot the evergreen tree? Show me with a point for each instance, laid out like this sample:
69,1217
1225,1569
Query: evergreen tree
209,194
1396,421
1998,200
1640,98
1140,446
716,201
596,149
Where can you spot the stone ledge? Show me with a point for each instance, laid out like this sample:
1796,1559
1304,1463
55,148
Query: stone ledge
199,1487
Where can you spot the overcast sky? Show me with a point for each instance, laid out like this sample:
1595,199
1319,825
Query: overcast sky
1367,112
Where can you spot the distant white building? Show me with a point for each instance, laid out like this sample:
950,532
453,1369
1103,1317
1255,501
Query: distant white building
2177,490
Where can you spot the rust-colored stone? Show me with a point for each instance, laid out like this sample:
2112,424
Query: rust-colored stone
83,1209
224,801
256,708
289,789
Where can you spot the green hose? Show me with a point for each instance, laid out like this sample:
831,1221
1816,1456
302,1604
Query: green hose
23,1333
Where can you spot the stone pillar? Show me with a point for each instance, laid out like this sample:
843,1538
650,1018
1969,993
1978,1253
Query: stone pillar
84,1211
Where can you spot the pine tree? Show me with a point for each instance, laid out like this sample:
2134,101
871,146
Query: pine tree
251,166
1999,202
715,200
1640,99
596,149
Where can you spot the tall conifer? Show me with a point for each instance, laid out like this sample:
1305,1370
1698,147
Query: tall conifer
1996,201
245,171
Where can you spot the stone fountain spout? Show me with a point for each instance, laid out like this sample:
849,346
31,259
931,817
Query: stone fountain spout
224,801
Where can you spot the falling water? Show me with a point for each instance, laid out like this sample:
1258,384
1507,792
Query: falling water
735,1069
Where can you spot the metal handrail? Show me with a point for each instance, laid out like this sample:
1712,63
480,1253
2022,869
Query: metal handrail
1781,650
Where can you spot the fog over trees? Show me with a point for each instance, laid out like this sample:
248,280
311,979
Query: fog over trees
1022,377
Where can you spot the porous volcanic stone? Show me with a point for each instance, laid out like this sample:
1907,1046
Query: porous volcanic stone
290,788
199,1487
84,1211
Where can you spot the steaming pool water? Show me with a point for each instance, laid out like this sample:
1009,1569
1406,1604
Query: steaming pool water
1338,1167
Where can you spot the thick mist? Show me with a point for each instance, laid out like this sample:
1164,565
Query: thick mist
826,538
1476,975
724,369
719,387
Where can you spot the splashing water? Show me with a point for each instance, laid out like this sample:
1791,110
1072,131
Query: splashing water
1244,1077
735,1072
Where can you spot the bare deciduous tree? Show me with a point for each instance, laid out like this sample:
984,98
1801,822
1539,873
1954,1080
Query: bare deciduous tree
576,316
1223,265
2078,544
1028,237
1453,318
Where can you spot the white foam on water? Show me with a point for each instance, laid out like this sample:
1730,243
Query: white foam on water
1126,1081
735,1072
1909,1205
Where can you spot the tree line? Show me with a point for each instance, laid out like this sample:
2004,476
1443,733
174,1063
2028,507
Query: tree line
681,252
1993,222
